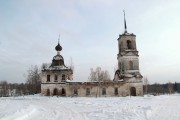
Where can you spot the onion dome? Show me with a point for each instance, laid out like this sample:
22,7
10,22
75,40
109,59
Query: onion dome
58,47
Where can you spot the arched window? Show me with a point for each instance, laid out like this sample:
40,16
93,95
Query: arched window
75,92
129,44
104,91
63,92
130,65
48,78
63,77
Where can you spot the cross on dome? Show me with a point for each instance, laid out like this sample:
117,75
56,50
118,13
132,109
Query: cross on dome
58,47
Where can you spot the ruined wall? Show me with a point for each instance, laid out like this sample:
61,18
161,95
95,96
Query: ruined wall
95,89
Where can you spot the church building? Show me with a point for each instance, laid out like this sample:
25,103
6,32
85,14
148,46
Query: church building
54,77
57,79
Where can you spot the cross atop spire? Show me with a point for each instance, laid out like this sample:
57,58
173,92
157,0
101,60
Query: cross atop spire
59,38
58,47
125,27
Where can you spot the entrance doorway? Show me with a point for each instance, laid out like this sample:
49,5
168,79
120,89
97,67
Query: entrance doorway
133,91
63,92
55,91
48,92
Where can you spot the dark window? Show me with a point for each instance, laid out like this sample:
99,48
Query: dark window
87,91
129,44
116,91
104,91
75,91
55,78
63,77
48,78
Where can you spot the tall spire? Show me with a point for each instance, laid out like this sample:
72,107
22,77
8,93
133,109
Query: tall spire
125,27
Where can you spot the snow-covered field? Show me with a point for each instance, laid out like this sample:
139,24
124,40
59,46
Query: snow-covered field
164,107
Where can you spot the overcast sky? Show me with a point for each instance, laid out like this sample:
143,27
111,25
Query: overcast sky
89,30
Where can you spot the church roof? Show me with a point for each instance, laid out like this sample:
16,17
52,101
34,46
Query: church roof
57,61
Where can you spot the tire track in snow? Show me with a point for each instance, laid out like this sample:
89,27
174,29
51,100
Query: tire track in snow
55,109
21,114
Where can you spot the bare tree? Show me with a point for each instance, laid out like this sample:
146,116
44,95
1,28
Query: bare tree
4,88
170,87
71,64
92,75
45,65
33,79
99,76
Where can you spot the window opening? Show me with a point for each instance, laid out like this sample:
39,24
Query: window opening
116,91
48,78
55,78
63,77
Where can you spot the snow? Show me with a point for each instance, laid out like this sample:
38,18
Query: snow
163,107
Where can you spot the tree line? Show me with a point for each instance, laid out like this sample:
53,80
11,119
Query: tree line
167,88
31,86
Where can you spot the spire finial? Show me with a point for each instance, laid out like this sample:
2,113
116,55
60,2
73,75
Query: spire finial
58,47
59,38
125,27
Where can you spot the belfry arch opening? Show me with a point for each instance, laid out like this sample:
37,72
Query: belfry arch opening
133,91
129,44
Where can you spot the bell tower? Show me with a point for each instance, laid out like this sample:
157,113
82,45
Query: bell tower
128,57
